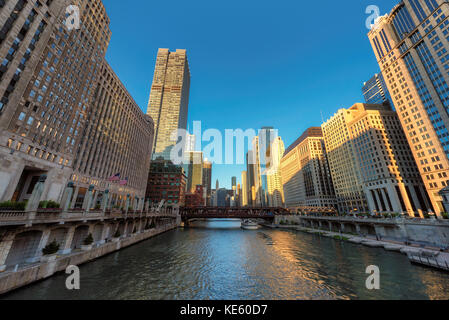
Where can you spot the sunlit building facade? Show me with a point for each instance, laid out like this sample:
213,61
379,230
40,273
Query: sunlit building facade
305,172
58,97
169,99
412,48
275,190
345,173
389,174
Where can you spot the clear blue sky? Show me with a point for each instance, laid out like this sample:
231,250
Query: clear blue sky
253,63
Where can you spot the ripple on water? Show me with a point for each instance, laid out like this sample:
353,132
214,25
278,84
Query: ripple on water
218,260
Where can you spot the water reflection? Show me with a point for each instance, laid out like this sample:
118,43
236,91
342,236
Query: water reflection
218,260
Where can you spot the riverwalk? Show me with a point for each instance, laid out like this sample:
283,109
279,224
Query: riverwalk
427,256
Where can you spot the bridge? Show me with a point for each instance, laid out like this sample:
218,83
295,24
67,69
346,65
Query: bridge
188,213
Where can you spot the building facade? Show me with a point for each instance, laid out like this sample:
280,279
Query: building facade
193,166
167,182
389,174
375,90
207,180
275,189
345,173
169,99
117,139
244,193
305,172
411,47
51,112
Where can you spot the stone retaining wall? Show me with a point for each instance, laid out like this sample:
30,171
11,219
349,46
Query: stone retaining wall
14,280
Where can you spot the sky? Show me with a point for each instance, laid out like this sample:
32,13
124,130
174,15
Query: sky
285,64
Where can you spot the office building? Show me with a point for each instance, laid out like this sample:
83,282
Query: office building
375,91
55,87
167,182
389,174
207,180
411,47
169,99
305,172
275,189
345,173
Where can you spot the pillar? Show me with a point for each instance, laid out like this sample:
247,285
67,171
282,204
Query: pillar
33,203
370,200
67,197
104,233
75,196
136,203
88,199
94,202
127,203
105,200
406,199
42,243
5,247
147,205
395,202
67,248
384,196
377,199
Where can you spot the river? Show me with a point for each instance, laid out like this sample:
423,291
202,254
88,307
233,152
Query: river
218,260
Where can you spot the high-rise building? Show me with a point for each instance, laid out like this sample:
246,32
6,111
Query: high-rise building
169,99
375,90
346,175
115,126
305,172
411,47
207,180
390,177
167,182
193,165
190,142
251,181
275,189
244,193
54,119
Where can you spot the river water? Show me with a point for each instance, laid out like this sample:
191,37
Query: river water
218,260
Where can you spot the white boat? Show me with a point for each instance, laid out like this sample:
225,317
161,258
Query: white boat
250,225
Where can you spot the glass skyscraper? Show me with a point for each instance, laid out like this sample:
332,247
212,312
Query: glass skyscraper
411,45
375,90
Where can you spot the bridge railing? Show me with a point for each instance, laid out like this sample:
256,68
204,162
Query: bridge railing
49,216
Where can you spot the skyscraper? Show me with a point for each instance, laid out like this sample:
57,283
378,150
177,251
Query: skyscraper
345,172
60,103
305,172
169,99
389,174
194,163
207,180
244,193
275,190
375,90
411,47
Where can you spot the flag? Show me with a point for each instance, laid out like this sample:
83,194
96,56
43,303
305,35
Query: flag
124,182
115,177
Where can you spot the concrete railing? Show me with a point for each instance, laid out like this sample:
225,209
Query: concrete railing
377,220
8,218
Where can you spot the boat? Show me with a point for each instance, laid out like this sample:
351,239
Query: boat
250,225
